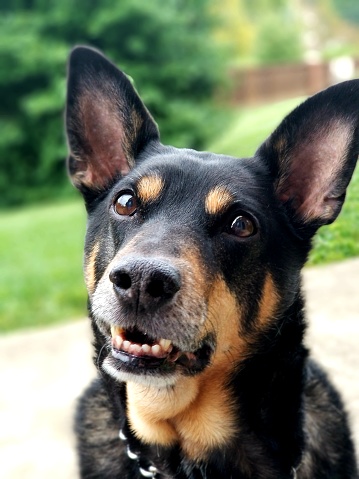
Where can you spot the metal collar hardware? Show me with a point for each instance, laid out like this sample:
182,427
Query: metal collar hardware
151,471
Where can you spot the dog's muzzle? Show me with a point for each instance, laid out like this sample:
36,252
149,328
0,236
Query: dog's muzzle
146,335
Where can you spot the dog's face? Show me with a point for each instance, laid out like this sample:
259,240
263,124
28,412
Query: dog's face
174,274
190,257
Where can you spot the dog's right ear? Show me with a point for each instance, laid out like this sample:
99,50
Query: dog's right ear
107,124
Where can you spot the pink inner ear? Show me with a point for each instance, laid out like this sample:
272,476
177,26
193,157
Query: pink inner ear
106,151
314,169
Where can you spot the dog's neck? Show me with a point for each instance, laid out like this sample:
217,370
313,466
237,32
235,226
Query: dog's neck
191,414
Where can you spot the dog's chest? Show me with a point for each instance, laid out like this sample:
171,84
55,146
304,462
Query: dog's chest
197,416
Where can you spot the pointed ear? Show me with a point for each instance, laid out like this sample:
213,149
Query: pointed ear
313,153
107,123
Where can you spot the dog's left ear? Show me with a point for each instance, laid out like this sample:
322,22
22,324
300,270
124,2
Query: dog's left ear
313,153
107,123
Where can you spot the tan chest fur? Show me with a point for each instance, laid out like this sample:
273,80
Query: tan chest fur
196,413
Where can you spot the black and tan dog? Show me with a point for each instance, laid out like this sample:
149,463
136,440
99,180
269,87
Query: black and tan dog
193,268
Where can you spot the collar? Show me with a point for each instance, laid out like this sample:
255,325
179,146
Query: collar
149,470
145,468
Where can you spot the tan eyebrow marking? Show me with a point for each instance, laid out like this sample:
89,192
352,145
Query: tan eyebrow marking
217,200
149,188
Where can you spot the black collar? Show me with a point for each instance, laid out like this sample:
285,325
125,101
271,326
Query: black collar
145,468
148,469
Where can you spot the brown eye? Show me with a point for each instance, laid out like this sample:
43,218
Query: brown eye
126,204
242,227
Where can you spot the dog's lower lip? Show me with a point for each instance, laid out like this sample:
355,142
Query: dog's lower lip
138,361
187,360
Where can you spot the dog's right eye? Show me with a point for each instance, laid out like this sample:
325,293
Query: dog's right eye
243,226
126,204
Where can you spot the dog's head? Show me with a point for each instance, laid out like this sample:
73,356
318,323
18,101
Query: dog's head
192,257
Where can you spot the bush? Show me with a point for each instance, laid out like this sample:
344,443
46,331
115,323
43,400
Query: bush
279,41
166,47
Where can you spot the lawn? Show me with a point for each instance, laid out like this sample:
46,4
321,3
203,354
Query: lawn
41,246
41,265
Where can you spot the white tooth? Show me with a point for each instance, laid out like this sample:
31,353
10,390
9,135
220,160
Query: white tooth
118,342
146,349
126,345
156,350
134,349
165,344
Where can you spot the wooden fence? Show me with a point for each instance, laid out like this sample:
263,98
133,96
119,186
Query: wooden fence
266,84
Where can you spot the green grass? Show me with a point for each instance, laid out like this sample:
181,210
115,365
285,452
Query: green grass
41,265
250,127
340,240
41,246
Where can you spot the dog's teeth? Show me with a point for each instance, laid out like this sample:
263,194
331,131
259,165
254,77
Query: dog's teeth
156,350
116,331
146,349
159,350
118,342
165,344
134,349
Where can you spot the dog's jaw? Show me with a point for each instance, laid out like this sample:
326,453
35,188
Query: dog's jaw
157,363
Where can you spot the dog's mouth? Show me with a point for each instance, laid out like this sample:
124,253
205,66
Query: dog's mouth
136,351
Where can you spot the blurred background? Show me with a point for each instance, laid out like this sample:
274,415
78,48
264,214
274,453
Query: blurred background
216,75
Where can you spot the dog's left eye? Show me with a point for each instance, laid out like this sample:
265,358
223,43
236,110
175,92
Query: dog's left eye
243,227
126,204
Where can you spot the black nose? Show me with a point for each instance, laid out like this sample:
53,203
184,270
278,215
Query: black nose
145,284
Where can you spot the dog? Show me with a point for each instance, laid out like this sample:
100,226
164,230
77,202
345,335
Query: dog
193,269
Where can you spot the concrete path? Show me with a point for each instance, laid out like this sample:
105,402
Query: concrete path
43,372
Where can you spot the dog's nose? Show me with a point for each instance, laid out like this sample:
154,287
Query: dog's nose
145,284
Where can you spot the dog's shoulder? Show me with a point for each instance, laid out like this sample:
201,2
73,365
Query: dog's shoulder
102,453
327,434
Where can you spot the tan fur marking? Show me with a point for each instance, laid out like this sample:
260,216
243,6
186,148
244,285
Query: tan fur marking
90,277
217,200
209,421
149,188
268,301
151,410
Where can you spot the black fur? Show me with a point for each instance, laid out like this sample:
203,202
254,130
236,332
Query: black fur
288,416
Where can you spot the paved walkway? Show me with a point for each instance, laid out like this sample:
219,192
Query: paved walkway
42,373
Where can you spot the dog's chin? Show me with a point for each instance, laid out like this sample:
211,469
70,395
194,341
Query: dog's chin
136,357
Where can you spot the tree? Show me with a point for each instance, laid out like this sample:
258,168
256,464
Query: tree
166,47
348,9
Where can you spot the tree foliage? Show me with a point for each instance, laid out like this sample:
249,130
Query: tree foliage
348,9
166,47
279,40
